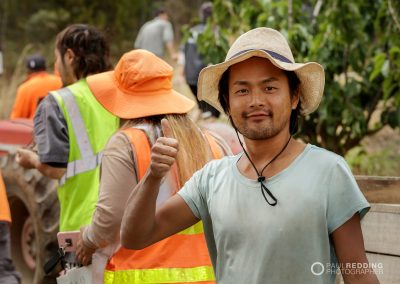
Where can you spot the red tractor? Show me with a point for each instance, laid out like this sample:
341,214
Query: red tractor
33,203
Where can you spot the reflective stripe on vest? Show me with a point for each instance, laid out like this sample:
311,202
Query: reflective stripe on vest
157,275
81,166
181,258
89,160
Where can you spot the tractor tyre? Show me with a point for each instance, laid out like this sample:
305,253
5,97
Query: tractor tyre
35,217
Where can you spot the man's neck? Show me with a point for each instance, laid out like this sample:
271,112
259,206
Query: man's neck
34,74
262,152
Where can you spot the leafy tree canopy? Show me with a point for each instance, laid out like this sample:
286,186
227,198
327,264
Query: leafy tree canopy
356,41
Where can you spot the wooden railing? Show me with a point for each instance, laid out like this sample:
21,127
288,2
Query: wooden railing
381,226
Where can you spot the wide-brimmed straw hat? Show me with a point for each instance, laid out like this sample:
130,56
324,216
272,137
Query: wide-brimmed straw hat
271,44
140,86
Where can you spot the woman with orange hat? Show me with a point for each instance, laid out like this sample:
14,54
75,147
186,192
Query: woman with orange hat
139,90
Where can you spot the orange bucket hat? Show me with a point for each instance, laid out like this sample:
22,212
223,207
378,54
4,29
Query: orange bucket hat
139,86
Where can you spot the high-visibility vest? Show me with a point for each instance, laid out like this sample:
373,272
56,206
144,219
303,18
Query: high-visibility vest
90,126
4,206
181,258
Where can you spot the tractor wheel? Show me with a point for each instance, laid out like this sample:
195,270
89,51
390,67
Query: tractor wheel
35,216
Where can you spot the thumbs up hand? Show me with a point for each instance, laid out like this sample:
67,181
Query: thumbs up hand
163,152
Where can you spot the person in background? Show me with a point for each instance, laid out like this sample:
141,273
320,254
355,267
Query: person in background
156,35
36,86
273,211
8,274
194,61
1,61
72,128
144,81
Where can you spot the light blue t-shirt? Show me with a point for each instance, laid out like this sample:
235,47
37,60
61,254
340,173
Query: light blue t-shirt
252,242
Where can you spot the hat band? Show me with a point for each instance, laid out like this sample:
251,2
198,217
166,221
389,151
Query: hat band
273,54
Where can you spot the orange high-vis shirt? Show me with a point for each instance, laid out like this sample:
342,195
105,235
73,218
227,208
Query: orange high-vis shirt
5,214
32,91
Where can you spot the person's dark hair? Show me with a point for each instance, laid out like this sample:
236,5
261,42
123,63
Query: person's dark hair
205,11
159,11
223,91
90,48
294,85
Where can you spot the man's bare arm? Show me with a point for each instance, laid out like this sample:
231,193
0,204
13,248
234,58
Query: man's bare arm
30,160
171,50
349,248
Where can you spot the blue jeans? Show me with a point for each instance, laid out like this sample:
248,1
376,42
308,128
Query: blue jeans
8,274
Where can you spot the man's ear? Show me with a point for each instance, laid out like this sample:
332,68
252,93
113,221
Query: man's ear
296,99
69,56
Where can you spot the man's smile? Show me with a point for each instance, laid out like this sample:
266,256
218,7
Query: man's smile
257,115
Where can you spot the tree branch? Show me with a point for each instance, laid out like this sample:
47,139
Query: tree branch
393,14
290,14
372,105
316,11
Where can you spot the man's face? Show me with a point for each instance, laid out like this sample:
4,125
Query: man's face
64,68
259,98
164,16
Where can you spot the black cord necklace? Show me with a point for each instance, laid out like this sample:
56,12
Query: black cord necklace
261,178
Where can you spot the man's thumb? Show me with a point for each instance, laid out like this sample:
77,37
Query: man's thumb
166,129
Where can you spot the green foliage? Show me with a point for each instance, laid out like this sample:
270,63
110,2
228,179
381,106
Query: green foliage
381,163
44,23
356,41
38,22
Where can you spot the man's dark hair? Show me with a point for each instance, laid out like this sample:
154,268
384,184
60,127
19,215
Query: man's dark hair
205,11
90,48
159,11
294,85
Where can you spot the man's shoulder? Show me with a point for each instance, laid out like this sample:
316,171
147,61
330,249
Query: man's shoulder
161,23
53,78
217,166
25,86
322,156
199,28
55,97
47,106
46,81
323,152
79,87
80,83
32,81
153,22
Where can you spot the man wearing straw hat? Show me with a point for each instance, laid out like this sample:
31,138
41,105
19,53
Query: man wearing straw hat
280,212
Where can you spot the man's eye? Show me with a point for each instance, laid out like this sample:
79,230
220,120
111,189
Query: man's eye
241,91
269,89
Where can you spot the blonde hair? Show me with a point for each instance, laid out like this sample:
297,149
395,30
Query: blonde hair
194,150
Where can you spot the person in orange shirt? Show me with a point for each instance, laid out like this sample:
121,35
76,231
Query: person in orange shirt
8,273
37,85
